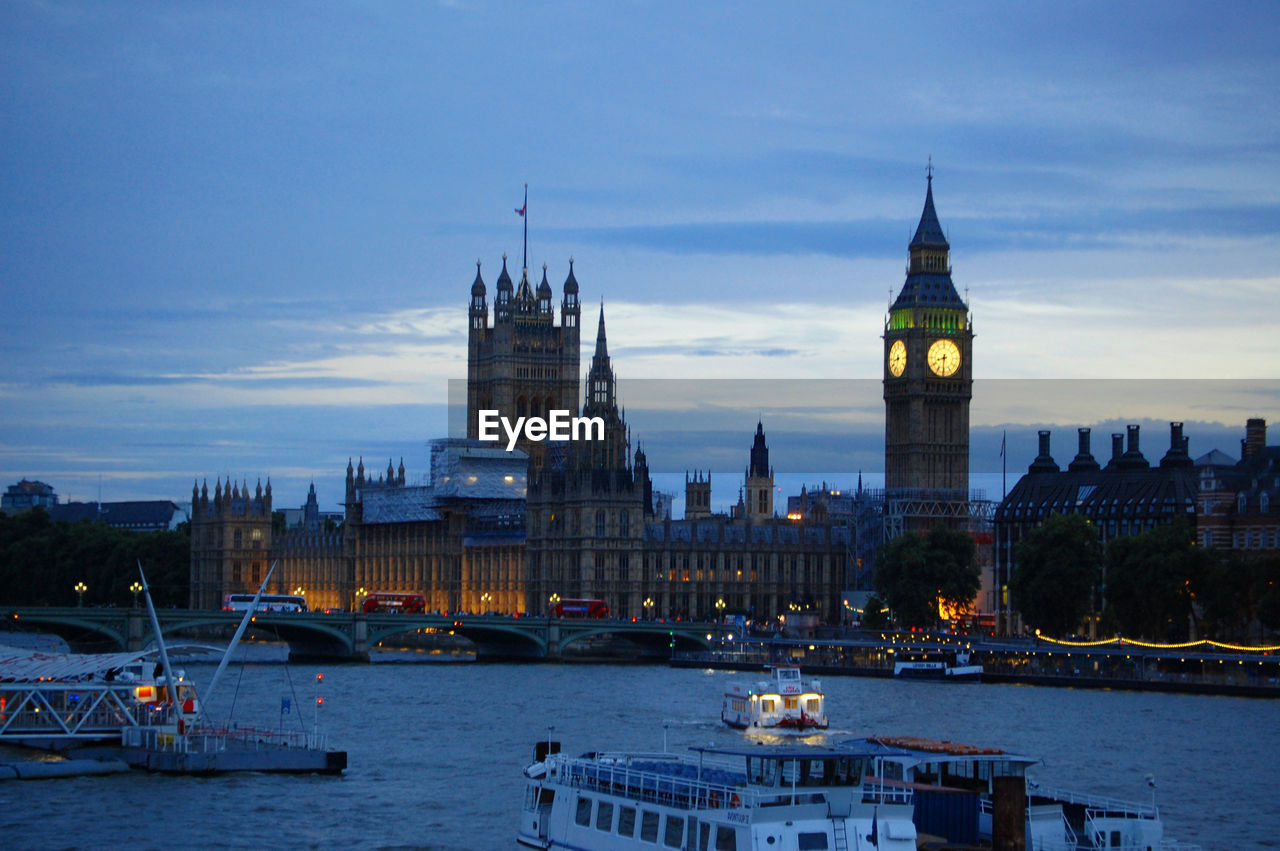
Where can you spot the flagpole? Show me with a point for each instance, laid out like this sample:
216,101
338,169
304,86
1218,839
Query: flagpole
525,215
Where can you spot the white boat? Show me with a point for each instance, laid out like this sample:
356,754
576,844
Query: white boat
752,797
787,701
937,664
964,795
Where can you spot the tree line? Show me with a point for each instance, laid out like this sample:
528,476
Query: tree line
41,562
1157,585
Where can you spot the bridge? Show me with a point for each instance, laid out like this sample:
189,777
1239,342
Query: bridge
350,636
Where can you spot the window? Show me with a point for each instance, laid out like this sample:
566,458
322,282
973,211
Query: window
600,523
604,816
626,821
239,538
811,842
583,815
726,839
673,836
649,826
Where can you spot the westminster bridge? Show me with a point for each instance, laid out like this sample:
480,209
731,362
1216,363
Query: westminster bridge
347,635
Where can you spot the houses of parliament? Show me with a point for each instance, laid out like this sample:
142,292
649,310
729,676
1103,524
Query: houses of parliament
496,531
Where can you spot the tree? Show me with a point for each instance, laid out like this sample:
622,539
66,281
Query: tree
874,615
1056,572
917,573
1149,582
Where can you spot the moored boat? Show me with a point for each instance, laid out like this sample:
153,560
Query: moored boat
973,796
784,797
938,664
786,701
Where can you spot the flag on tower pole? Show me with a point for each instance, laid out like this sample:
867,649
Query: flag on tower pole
521,212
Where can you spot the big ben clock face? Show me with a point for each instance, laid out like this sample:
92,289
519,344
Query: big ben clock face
897,358
944,358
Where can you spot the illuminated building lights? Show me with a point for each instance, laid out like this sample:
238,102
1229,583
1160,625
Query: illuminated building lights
1119,641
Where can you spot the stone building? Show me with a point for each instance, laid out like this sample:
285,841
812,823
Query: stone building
1239,502
928,383
230,542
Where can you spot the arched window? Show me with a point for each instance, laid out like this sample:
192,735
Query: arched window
600,523
624,523
239,538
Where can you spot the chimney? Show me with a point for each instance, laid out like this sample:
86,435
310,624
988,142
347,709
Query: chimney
1255,437
1044,462
1117,447
1132,458
1084,459
1177,455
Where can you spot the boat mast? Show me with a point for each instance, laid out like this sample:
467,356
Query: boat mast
164,653
235,639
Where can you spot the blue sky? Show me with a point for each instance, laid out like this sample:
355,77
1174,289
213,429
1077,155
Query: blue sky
237,239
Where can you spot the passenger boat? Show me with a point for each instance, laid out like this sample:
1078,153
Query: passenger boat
970,796
936,664
750,797
785,702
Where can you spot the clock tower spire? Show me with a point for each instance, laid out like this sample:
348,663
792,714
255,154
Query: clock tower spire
928,383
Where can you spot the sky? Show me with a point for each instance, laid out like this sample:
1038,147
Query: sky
237,239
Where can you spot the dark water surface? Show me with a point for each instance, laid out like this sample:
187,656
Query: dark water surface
435,752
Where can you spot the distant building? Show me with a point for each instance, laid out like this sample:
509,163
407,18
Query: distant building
1126,496
26,495
147,516
1239,502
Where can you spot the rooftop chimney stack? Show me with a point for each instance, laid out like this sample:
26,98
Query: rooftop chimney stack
1255,437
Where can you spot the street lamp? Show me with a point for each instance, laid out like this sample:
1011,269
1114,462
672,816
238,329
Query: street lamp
648,608
485,599
551,603
136,588
80,589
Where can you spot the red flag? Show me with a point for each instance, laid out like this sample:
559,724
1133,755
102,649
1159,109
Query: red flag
522,209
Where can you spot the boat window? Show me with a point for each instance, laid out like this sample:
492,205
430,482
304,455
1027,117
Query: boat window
819,773
704,836
604,816
768,704
1116,841
626,821
813,706
649,826
583,815
726,839
769,776
811,842
790,772
673,836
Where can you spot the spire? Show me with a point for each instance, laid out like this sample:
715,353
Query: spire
477,286
571,283
928,281
929,231
602,349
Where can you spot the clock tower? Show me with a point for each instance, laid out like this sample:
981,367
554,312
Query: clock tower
928,382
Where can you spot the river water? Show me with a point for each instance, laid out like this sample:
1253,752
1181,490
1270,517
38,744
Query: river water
435,752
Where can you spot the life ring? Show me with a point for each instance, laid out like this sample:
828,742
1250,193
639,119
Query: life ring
713,798
734,802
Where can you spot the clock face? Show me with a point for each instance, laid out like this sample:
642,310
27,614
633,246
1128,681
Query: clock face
944,358
897,358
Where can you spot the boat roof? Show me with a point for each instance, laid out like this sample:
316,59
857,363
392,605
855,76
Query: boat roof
911,750
854,748
19,664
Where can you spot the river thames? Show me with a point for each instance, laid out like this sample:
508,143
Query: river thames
436,751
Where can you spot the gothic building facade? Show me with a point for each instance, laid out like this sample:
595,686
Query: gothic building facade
928,384
523,364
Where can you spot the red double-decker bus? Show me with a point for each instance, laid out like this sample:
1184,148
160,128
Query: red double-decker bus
391,602
580,609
